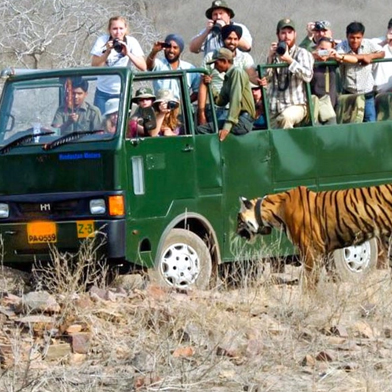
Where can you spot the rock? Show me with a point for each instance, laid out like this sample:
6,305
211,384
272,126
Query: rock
306,335
74,328
326,356
76,358
309,360
40,301
183,352
363,330
80,342
97,292
339,330
349,366
58,351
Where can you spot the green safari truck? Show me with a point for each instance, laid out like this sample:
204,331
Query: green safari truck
163,203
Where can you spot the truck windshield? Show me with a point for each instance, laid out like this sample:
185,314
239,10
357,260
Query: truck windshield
52,108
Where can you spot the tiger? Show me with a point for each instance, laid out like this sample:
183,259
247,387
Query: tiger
318,223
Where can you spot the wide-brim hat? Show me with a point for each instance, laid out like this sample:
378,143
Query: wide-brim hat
144,92
111,106
219,4
164,95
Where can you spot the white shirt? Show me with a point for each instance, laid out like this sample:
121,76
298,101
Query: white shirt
382,72
193,79
112,84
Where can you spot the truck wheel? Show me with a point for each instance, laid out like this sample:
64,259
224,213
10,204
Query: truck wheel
353,262
185,261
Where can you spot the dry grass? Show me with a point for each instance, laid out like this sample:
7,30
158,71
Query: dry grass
253,337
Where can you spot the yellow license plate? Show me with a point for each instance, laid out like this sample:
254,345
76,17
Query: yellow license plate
85,228
41,232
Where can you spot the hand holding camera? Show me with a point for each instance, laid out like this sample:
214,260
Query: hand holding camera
217,27
118,45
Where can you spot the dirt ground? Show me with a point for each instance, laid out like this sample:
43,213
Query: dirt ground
266,335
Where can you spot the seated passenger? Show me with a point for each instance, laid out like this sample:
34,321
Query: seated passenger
259,106
111,115
286,87
166,109
76,114
144,98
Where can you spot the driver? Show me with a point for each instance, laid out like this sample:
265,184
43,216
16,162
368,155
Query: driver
76,114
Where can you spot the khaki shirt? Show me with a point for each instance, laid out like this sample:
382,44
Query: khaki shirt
89,118
236,90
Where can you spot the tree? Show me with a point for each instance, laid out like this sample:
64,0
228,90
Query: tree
60,33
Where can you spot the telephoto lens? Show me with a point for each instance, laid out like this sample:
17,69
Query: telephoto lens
216,29
281,48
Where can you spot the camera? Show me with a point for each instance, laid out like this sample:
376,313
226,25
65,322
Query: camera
281,48
165,45
323,52
216,29
172,104
117,45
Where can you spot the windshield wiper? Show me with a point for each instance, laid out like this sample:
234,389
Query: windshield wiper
70,137
21,140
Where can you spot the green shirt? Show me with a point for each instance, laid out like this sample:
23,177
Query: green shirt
89,118
236,90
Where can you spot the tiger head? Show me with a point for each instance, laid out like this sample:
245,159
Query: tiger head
249,220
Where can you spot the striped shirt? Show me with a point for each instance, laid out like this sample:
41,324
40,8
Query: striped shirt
357,78
286,87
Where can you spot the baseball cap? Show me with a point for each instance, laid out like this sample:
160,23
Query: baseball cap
221,53
321,25
285,23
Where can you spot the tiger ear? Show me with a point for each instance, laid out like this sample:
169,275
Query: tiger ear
245,204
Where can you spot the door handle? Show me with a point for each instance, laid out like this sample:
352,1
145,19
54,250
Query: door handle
187,148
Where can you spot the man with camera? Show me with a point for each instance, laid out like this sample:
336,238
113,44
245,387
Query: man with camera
315,31
286,87
209,39
231,35
172,47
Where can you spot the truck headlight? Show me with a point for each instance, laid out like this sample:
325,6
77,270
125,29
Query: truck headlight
97,206
4,210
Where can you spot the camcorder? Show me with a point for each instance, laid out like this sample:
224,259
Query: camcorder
117,45
281,48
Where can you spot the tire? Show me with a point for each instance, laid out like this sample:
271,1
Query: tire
184,262
354,262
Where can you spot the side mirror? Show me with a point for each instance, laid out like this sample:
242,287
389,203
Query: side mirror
149,119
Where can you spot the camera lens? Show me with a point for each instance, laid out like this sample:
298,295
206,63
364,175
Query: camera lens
281,48
216,29
171,105
117,46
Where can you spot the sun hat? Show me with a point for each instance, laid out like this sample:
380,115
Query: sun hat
221,53
111,106
144,92
164,95
219,4
287,22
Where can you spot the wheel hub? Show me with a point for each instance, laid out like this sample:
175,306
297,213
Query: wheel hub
357,257
180,265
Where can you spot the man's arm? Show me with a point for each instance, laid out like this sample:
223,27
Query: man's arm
197,41
302,65
158,46
245,43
